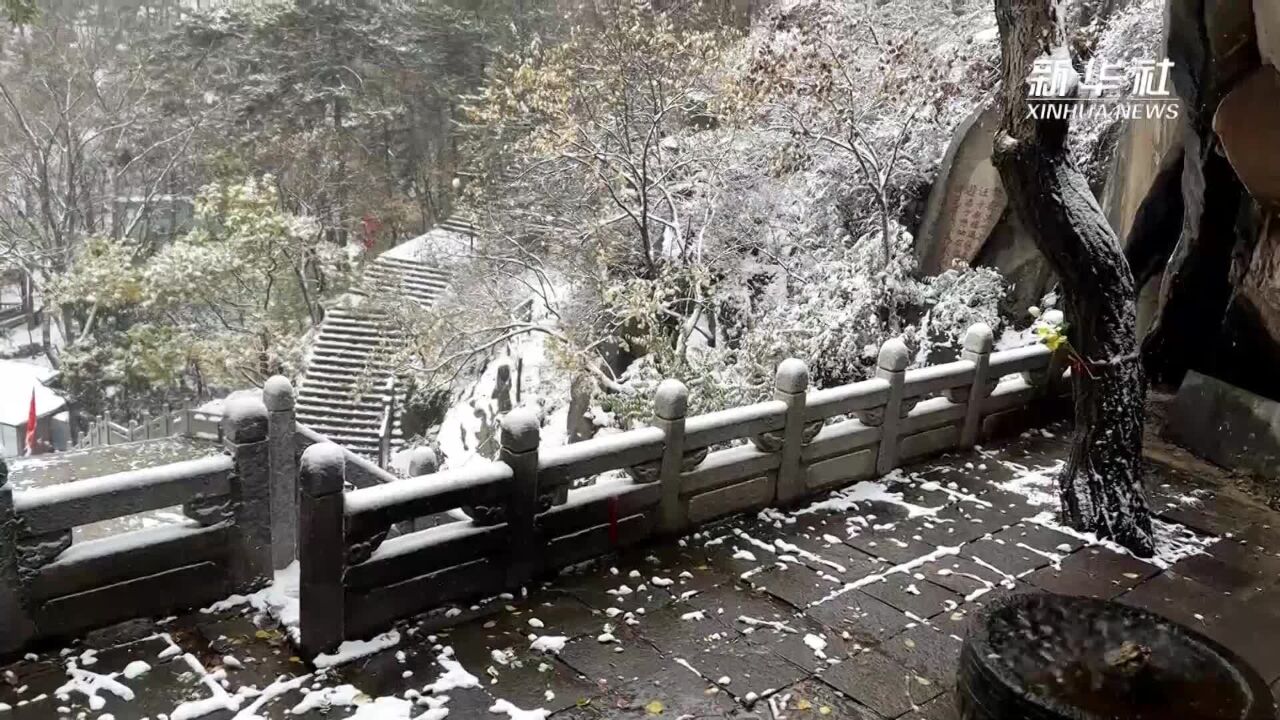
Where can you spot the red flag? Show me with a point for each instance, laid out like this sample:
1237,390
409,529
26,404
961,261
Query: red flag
31,425
371,225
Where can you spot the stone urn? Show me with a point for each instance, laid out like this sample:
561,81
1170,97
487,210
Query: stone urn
1051,657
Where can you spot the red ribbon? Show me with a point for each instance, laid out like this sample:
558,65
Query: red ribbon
613,521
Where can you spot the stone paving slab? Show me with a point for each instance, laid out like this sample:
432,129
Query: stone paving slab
853,607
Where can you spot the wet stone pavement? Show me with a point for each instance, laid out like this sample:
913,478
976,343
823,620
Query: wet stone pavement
851,607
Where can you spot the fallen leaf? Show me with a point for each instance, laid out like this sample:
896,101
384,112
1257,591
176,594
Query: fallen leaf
655,707
803,704
824,710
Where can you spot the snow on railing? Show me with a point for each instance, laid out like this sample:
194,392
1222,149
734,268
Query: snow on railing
365,562
52,586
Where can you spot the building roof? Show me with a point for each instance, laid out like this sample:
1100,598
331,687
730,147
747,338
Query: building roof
18,380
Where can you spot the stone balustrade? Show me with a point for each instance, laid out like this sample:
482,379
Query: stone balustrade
524,521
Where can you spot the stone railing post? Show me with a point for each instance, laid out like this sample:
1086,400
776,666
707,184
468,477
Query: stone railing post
502,387
422,461
521,434
670,407
16,627
322,548
790,383
978,342
891,366
245,429
277,394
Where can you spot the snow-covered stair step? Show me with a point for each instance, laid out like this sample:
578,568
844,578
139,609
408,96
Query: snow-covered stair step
342,392
353,414
459,224
362,435
409,269
348,378
365,431
370,353
341,361
331,348
336,342
355,328
320,402
344,383
340,318
355,323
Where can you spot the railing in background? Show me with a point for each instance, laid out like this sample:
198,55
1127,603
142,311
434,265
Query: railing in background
187,422
358,577
242,523
13,315
52,587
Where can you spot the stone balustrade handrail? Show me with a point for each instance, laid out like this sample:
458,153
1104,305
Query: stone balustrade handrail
52,586
524,521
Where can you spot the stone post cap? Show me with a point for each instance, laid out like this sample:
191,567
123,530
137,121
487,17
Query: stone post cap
244,420
322,469
894,355
422,461
521,430
792,376
277,393
979,338
671,400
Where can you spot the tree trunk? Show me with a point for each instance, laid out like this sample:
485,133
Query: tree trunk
1101,485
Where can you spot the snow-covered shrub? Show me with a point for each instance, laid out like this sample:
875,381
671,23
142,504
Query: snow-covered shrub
835,318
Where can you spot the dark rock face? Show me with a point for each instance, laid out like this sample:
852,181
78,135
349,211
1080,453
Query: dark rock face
1212,45
1010,250
1246,122
1248,351
1218,308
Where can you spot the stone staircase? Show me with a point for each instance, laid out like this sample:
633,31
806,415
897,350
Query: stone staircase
348,389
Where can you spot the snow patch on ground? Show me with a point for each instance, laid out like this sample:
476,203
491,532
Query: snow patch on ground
356,649
278,601
91,685
1040,488
515,713
453,676
1039,485
1174,542
549,644
850,498
218,698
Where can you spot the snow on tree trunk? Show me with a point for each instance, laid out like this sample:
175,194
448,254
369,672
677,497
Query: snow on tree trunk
1101,485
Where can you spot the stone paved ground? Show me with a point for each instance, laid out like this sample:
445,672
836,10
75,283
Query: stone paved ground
850,608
